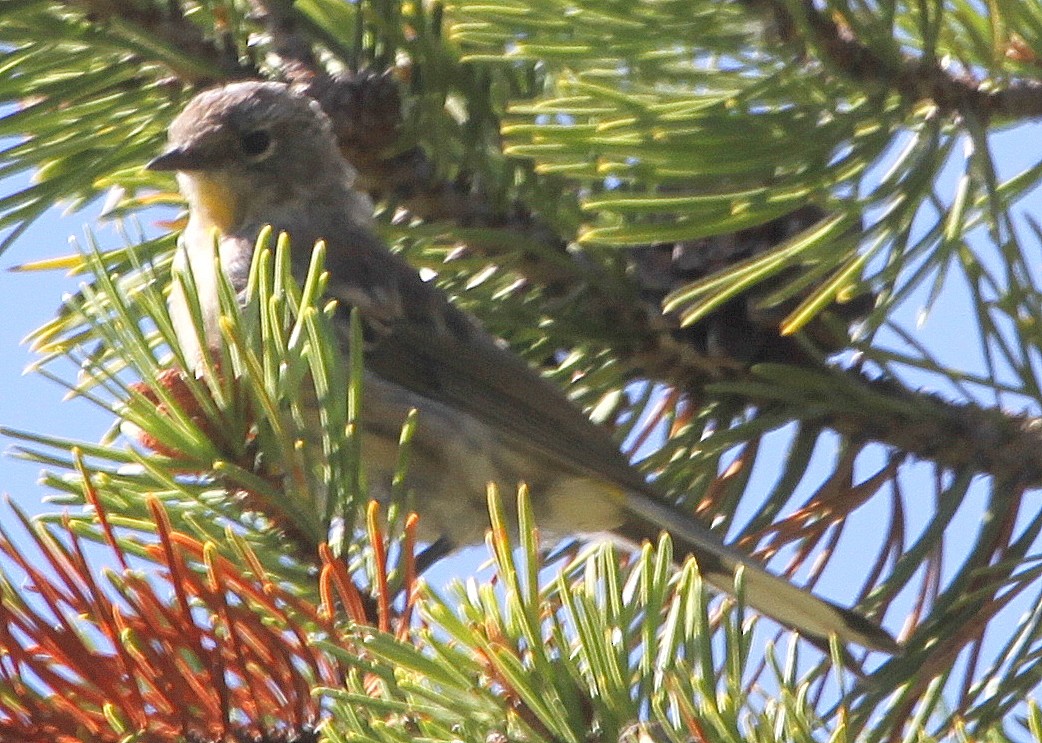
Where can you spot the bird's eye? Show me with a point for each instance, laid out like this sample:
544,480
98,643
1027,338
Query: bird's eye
255,143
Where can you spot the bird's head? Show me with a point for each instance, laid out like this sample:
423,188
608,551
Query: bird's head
249,148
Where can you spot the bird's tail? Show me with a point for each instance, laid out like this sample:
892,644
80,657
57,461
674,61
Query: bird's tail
813,617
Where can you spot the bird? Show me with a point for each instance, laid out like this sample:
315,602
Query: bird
251,155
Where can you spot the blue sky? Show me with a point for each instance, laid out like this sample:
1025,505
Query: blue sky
27,301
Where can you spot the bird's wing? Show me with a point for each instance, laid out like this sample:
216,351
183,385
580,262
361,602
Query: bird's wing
417,340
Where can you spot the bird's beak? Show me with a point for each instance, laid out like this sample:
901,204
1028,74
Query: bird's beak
180,158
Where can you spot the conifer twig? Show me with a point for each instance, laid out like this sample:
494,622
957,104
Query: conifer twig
204,60
916,79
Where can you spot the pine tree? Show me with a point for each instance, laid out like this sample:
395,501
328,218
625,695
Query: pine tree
703,220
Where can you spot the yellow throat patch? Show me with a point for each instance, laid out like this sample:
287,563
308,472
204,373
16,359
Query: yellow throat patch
217,202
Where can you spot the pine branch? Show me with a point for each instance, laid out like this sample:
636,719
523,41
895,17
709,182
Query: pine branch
191,56
915,79
288,40
958,436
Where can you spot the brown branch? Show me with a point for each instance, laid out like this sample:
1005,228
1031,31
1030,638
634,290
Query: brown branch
171,29
914,79
954,435
294,48
1005,445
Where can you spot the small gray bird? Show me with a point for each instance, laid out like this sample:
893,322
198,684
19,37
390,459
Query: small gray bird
254,154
